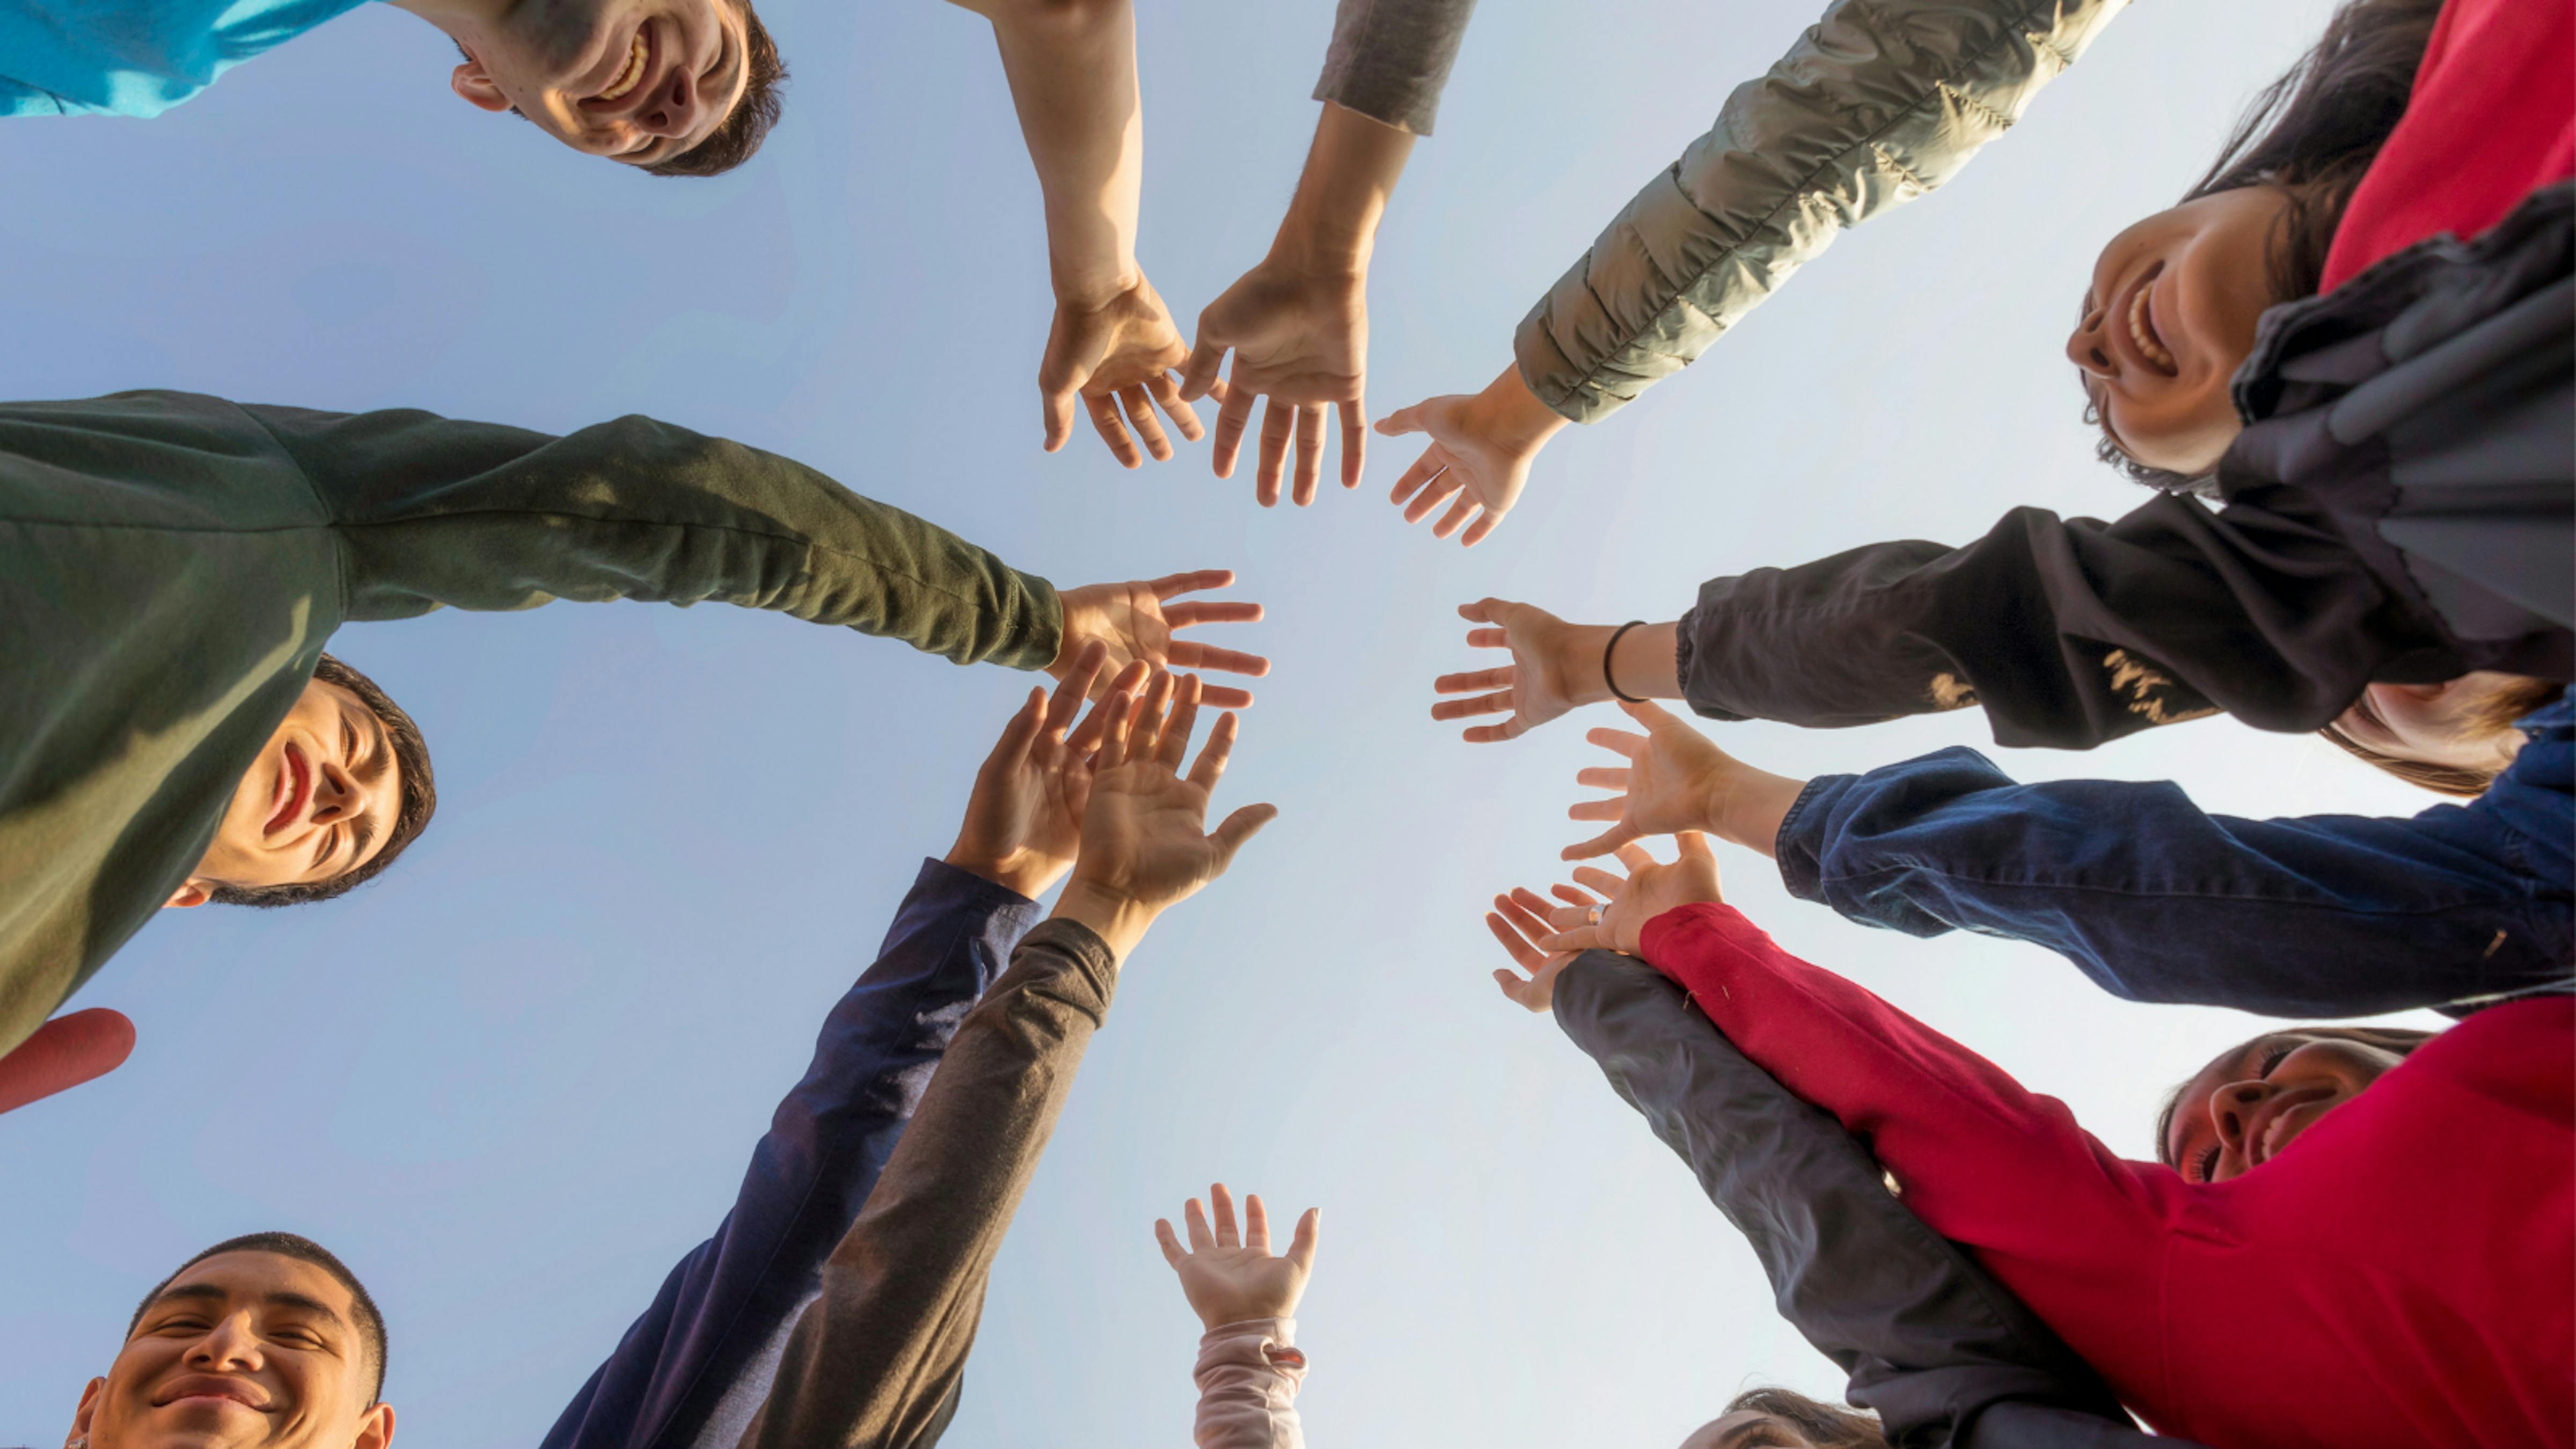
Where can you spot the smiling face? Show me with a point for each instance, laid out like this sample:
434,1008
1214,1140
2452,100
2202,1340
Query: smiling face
2168,320
2255,1100
638,81
2442,725
320,801
244,1350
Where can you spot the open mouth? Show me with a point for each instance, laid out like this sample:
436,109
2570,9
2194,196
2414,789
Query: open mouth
295,783
2142,326
639,58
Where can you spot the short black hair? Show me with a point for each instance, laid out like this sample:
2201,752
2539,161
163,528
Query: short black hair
371,1320
411,816
738,137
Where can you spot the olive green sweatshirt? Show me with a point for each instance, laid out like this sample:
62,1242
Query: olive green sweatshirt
171,566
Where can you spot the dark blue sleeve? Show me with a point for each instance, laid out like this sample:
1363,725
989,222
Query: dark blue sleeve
2327,915
810,1175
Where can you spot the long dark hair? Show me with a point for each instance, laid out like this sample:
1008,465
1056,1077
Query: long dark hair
2312,133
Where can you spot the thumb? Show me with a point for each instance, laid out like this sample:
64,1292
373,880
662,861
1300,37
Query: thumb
1301,1249
1198,375
1172,1253
1648,713
1602,844
1694,846
1402,421
1058,407
1239,827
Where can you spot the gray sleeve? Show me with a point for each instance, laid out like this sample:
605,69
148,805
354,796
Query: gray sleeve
1390,58
1930,1341
876,1361
1879,102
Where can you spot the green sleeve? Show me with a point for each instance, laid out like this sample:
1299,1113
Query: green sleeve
1879,102
431,511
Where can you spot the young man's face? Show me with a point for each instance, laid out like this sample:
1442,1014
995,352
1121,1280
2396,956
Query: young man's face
320,801
637,81
245,1350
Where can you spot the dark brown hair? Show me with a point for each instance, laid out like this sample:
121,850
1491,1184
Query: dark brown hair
2399,1039
1826,1426
2312,133
747,125
2490,716
371,1320
411,816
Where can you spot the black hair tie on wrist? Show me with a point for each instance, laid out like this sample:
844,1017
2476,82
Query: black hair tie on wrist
1607,677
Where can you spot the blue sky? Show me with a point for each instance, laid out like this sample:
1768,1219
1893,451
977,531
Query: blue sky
517,1078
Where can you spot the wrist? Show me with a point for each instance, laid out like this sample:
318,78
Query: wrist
1016,871
1112,914
1510,414
1324,248
1089,287
1579,665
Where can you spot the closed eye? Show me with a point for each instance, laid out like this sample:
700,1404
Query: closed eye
2208,1165
2273,1055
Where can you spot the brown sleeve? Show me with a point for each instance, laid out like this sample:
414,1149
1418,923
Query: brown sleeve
876,1360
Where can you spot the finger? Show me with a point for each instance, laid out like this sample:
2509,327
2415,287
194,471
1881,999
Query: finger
1489,639
1076,687
1085,740
1459,512
1224,696
1256,1223
1510,729
1167,396
1199,373
1354,443
1601,880
1021,732
1602,777
1104,418
1196,612
1226,1236
1145,736
1239,827
1210,765
1526,956
1403,420
1430,465
1499,677
1140,416
1189,582
1618,742
1597,809
1277,418
1486,522
1172,1253
1310,453
1636,858
1055,407
1648,713
1483,611
1581,938
1310,1236
1599,845
1529,923
1694,845
1200,1238
1231,417
1185,717
1190,654
1112,715
1436,490
1581,900
1499,702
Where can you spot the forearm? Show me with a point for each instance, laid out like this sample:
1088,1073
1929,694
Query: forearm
429,511
879,1354
1351,171
1248,1374
1072,71
1390,59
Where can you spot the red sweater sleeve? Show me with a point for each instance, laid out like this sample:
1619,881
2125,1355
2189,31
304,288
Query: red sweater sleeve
2068,1225
2492,116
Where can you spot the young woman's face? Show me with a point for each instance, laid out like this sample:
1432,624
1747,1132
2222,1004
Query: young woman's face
2435,724
2168,320
2256,1099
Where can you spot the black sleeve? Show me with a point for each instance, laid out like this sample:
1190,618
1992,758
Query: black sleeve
2069,632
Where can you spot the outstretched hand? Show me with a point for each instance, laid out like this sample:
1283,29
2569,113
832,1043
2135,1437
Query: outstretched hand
1230,1278
1520,922
1135,621
1116,355
1300,340
1677,779
1547,675
1145,847
1479,459
1650,888
1024,821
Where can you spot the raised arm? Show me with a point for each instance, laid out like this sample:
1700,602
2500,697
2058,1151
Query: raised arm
877,1360
1072,69
1931,1342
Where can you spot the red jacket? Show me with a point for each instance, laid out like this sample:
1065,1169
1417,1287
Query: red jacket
2404,1274
2492,116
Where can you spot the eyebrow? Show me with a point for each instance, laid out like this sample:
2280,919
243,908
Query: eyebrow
282,1298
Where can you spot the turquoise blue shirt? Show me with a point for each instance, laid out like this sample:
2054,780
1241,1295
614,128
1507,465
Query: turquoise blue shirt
136,57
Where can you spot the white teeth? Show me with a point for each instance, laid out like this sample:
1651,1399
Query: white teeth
2138,333
627,78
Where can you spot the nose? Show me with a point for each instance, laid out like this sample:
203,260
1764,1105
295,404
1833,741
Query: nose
2231,1107
229,1345
337,795
2084,345
675,110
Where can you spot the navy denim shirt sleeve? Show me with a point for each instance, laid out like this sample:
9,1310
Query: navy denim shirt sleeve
2324,915
810,1175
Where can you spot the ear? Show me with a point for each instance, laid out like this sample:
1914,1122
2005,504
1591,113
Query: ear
87,1411
477,90
194,893
375,1428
